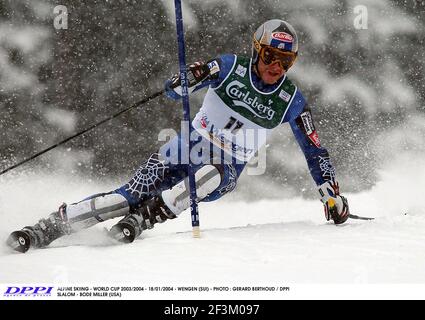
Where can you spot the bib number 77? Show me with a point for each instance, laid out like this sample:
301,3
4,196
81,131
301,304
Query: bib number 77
233,125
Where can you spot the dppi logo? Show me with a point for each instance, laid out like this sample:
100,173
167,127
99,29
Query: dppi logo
28,291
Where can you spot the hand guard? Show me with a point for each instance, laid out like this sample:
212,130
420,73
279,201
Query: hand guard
335,205
196,72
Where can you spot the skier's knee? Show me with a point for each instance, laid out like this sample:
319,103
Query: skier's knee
96,209
146,179
229,177
177,199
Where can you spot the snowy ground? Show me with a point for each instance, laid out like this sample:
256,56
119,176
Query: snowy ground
277,243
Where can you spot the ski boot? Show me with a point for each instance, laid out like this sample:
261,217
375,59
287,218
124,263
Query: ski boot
42,233
132,225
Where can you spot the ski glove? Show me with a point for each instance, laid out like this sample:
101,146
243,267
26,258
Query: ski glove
196,72
335,205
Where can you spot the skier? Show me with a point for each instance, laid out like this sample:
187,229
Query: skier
245,95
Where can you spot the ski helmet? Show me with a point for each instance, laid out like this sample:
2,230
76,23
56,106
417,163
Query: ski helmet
277,34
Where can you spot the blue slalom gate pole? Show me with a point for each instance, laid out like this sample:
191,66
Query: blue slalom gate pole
186,116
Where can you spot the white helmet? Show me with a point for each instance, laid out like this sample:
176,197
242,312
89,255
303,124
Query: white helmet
278,35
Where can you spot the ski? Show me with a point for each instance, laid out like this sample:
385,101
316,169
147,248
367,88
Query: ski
19,241
353,216
123,232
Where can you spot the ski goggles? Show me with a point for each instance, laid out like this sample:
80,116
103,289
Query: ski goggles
285,58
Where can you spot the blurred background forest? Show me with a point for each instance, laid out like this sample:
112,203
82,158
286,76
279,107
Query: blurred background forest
366,86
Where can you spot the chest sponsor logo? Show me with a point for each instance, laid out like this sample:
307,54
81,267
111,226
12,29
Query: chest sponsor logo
242,97
285,96
241,71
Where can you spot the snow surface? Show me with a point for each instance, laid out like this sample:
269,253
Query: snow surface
279,242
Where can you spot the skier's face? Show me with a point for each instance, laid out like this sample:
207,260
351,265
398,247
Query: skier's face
270,73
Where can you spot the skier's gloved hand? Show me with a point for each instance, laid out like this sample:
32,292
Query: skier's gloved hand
335,205
196,72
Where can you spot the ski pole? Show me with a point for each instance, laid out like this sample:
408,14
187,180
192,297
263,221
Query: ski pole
135,105
353,216
186,117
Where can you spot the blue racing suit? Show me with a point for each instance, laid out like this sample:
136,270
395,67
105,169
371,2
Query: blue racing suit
153,176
